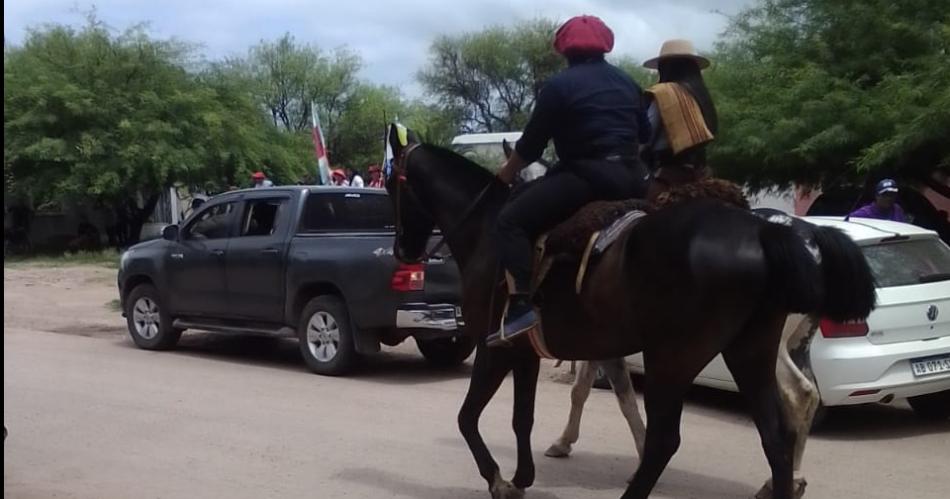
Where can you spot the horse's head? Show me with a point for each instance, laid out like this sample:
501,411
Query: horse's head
414,224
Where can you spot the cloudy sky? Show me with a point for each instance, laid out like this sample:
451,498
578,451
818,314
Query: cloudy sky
392,36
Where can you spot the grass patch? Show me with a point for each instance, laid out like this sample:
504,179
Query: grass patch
114,305
104,258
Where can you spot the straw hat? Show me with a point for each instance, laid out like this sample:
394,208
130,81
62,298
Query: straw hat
677,48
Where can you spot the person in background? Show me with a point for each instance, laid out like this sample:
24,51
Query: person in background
376,177
885,205
260,180
354,177
338,178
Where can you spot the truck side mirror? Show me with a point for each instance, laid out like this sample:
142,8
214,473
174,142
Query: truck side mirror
170,233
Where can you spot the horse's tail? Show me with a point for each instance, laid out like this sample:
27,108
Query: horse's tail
795,278
840,286
849,284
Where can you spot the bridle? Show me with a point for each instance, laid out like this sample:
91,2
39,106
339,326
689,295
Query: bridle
400,169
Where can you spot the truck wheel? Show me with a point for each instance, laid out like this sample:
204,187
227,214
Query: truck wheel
149,324
326,337
446,352
933,406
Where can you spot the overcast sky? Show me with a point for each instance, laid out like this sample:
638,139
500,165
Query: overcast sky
391,36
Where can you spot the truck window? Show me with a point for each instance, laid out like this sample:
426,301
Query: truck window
213,223
347,212
261,216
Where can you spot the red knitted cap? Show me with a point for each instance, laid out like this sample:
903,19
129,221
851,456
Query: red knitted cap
583,35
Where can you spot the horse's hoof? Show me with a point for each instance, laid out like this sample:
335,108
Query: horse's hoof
557,449
505,490
798,489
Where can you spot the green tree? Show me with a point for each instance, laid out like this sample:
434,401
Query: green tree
492,76
116,120
824,91
288,76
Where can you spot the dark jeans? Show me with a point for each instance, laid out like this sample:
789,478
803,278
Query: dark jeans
552,199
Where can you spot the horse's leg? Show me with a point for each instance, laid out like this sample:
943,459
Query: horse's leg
619,376
799,395
526,386
663,397
751,360
579,393
491,367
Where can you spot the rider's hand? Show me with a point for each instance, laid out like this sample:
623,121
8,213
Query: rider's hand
507,174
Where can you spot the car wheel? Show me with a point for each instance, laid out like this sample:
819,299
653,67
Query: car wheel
326,337
446,352
933,406
601,381
149,324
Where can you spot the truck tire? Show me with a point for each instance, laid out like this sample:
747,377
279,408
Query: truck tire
326,337
933,406
446,352
148,321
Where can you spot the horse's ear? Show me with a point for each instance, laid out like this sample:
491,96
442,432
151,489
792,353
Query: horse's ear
506,147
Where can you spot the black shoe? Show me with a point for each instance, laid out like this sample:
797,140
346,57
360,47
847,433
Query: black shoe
520,319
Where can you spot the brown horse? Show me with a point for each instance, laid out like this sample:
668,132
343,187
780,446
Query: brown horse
686,283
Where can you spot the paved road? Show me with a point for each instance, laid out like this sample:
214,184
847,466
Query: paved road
237,417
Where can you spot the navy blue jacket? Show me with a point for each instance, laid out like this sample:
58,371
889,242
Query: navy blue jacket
592,110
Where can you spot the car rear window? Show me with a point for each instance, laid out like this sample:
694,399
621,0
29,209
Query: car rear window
903,263
347,212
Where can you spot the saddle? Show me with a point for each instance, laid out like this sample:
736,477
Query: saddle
594,228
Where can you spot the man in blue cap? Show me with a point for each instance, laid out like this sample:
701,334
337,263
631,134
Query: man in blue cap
885,205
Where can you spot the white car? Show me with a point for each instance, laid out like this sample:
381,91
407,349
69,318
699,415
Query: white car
903,350
485,149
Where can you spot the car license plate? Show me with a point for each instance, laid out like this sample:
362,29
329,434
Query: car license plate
930,365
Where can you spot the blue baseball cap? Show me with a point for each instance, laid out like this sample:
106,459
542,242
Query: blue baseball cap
886,186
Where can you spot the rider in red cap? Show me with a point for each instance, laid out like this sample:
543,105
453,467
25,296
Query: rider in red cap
593,112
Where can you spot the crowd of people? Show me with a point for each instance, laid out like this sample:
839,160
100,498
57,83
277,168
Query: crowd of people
340,177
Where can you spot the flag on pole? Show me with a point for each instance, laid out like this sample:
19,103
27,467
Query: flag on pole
319,147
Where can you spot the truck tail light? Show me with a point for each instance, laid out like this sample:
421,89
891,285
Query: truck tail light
850,329
409,277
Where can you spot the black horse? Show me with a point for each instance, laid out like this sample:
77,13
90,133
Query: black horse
686,283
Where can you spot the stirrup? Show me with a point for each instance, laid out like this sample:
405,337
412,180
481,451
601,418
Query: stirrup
511,331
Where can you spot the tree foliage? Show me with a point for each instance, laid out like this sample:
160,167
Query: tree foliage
492,76
285,77
116,119
824,91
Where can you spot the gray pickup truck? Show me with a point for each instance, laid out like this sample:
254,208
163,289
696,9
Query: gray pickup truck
310,262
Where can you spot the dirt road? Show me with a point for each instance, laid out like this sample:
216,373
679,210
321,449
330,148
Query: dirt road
91,416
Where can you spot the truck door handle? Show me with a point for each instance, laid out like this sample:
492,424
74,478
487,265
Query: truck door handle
217,252
269,251
178,256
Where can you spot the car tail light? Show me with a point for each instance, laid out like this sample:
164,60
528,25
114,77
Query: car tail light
850,329
409,277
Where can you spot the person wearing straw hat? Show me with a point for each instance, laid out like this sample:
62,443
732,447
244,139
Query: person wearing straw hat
681,113
594,114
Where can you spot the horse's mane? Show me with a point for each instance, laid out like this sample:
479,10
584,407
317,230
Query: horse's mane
474,176
443,154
